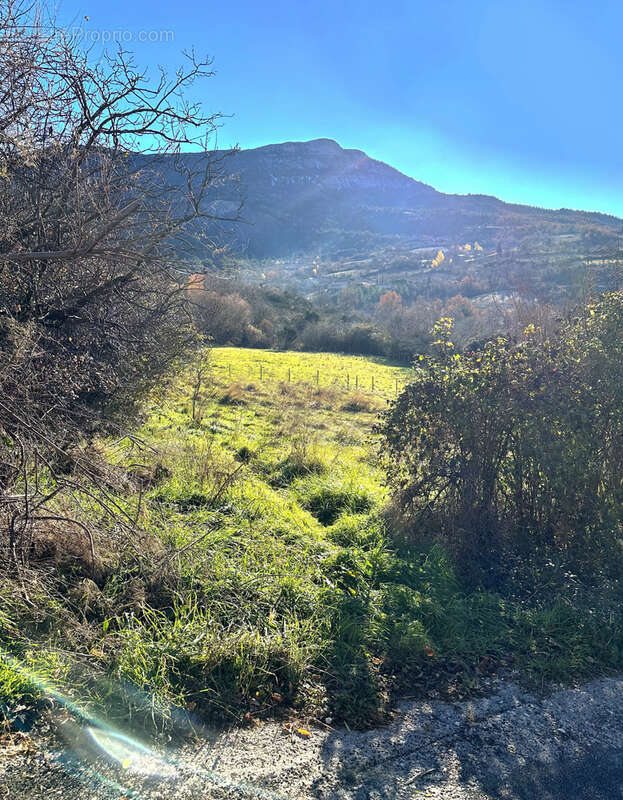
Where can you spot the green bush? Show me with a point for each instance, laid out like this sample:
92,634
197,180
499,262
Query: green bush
513,454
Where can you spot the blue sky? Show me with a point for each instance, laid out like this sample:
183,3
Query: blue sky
517,99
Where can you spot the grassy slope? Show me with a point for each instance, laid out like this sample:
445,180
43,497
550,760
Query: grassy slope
266,577
333,370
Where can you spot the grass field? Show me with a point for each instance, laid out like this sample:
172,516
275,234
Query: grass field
263,576
327,370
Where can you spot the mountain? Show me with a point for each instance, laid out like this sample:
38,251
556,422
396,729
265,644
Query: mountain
325,219
317,197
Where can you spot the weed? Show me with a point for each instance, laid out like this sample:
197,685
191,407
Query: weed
358,401
234,394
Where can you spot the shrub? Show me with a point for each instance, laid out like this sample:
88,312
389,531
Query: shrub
224,318
244,454
356,338
514,451
297,466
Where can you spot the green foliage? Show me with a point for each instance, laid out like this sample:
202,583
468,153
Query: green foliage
327,502
15,687
273,590
190,658
514,451
297,466
357,531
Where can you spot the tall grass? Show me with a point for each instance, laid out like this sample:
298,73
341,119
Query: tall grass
266,578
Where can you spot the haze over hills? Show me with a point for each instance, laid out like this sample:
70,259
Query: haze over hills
318,197
321,218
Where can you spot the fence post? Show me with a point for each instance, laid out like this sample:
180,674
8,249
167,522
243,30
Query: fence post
229,368
347,380
356,381
317,377
261,371
289,374
373,384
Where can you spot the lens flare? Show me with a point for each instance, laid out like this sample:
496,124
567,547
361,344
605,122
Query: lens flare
88,738
130,754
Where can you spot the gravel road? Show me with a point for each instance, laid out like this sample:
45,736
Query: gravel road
511,744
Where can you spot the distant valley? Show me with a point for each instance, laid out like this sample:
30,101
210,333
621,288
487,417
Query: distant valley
321,218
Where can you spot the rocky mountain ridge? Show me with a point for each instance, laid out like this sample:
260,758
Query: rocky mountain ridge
313,197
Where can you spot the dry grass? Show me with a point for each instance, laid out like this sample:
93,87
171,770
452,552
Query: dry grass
325,397
287,389
358,401
234,394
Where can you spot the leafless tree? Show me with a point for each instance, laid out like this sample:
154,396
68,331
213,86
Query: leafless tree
99,195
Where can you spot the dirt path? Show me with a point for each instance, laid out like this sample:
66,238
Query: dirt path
509,745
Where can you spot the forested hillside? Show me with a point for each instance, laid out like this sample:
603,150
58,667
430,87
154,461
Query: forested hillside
321,218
